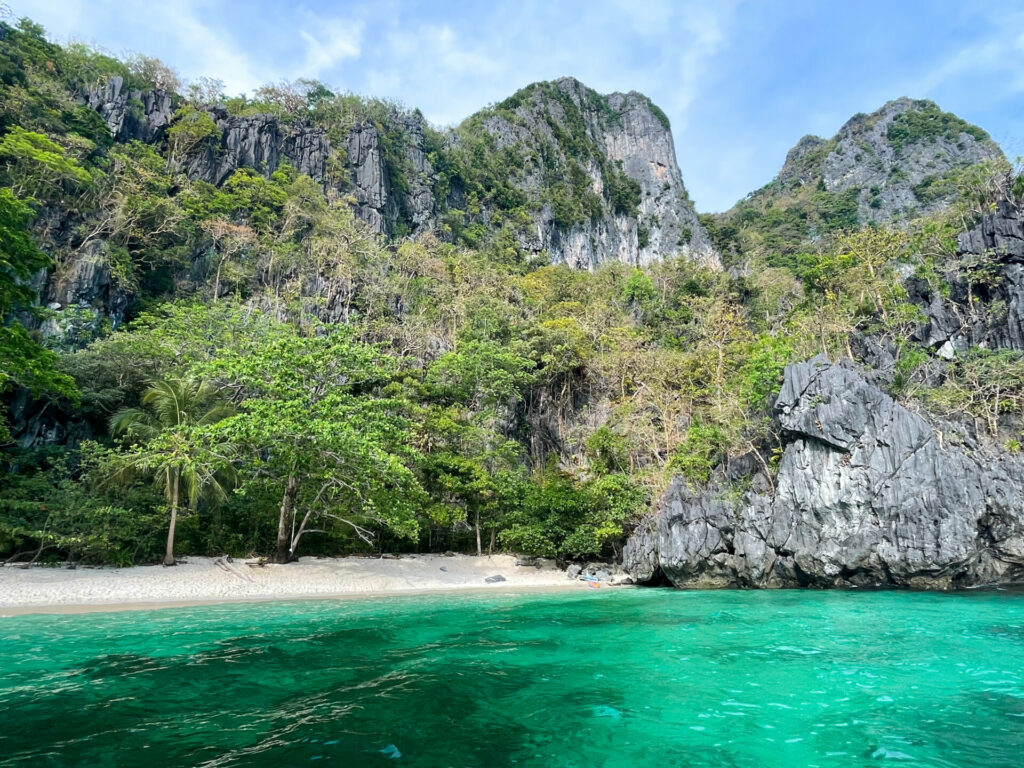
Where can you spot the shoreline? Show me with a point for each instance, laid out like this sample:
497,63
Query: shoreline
211,581
62,609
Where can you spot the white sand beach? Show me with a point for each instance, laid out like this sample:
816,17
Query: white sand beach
205,579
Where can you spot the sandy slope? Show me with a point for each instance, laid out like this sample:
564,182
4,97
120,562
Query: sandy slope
203,579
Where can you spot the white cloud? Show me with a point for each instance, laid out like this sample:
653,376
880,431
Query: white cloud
707,27
328,42
452,67
997,57
184,34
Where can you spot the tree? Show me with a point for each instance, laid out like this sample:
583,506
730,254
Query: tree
136,210
169,445
464,466
37,166
154,72
191,127
206,90
557,516
229,241
322,431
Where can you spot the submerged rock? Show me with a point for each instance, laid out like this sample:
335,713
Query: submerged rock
391,752
868,494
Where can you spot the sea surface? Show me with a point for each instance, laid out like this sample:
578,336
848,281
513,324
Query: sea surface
598,678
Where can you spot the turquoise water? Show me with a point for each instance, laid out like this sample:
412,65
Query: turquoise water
598,678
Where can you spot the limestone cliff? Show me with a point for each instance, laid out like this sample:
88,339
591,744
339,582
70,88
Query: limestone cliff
983,304
358,167
868,493
595,177
131,114
896,162
598,175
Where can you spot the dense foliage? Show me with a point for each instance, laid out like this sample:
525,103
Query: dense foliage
286,382
928,124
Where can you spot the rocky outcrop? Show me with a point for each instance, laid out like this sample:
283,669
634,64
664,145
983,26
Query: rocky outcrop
559,130
393,199
131,114
261,142
388,204
868,494
899,158
80,298
983,304
999,234
897,162
552,127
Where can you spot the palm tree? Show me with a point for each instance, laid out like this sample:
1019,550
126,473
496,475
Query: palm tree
168,444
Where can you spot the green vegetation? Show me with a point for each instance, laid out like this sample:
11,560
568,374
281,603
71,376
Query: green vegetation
485,170
23,362
167,445
927,123
286,382
777,227
932,188
660,115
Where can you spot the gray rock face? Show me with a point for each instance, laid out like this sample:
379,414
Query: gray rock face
631,137
394,186
897,160
978,312
78,297
867,158
1000,234
261,142
381,201
794,170
131,114
868,494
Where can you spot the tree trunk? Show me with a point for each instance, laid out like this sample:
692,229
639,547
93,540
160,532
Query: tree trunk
169,554
284,522
490,547
476,524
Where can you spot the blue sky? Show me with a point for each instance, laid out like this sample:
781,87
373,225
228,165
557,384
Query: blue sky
741,81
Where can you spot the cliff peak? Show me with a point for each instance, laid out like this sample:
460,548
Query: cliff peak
895,164
595,174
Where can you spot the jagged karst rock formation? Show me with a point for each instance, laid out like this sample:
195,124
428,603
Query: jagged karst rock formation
261,142
984,304
564,132
131,114
383,166
893,165
393,198
868,494
558,130
895,161
264,143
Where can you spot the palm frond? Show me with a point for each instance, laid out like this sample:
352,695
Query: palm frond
134,422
